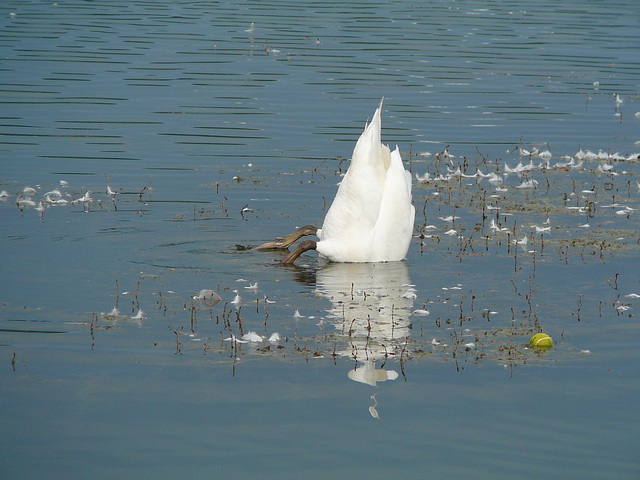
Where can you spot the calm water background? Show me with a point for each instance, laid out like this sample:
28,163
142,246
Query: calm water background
217,139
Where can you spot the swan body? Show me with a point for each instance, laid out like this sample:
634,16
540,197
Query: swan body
371,217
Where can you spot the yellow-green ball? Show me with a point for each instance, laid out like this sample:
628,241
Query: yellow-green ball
541,340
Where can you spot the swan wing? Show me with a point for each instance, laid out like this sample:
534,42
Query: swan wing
356,207
394,228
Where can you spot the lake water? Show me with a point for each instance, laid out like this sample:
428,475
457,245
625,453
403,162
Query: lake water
216,137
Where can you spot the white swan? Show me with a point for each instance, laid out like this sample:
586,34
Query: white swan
371,218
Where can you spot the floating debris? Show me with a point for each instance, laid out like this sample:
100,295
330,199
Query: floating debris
207,297
541,340
235,339
252,337
236,300
274,338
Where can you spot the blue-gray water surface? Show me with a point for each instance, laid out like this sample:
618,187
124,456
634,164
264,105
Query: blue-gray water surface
145,147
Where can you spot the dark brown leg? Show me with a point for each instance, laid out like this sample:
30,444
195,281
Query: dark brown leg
286,242
303,247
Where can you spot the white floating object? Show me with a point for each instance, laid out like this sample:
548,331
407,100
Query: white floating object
252,337
494,227
60,202
423,179
274,338
625,211
528,184
524,241
53,196
86,198
619,100
25,202
235,339
207,297
236,300
495,179
545,155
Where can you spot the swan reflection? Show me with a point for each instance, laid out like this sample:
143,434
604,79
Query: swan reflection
367,373
370,308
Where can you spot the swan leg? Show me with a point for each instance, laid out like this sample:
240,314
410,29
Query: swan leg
302,247
286,242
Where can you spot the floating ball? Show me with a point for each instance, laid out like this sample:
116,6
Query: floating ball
541,340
